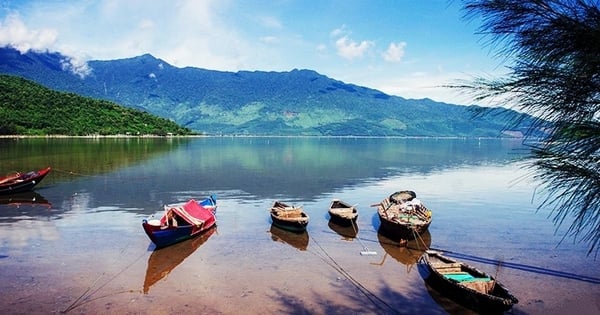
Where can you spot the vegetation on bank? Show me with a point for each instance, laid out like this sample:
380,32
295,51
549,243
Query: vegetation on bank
27,108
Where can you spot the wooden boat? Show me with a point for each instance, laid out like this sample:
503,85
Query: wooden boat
297,240
162,261
179,223
465,284
342,213
18,182
291,218
403,216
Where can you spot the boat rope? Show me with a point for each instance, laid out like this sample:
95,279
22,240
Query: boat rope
365,291
418,237
365,249
69,172
85,296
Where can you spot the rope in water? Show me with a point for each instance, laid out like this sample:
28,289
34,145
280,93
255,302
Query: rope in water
365,291
358,238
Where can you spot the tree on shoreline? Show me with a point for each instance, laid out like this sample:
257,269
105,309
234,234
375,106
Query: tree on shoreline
554,47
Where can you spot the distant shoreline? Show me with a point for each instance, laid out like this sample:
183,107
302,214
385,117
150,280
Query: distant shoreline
245,136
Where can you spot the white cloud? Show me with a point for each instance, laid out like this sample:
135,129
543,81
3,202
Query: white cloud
338,32
268,39
14,33
350,50
395,52
271,22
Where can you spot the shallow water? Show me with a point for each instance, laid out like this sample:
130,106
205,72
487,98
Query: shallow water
84,250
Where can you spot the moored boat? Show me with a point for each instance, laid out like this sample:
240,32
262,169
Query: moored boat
342,212
403,216
179,223
465,284
19,182
288,217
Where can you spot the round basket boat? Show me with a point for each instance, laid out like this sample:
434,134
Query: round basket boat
402,196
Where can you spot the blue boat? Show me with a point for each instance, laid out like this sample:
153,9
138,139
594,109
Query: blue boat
179,223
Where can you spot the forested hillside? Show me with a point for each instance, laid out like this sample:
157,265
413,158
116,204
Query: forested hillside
27,108
297,102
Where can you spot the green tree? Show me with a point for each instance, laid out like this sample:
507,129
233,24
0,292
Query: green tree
553,48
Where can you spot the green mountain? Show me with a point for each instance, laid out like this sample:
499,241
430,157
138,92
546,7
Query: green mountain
27,108
298,102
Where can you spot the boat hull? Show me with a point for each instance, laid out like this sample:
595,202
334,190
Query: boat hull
402,216
289,218
25,182
497,302
164,235
292,226
405,231
342,213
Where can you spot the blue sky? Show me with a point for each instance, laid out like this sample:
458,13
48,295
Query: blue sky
401,47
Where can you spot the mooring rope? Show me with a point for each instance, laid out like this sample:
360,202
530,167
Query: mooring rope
84,297
365,291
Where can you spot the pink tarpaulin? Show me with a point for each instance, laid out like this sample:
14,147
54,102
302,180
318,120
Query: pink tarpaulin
191,212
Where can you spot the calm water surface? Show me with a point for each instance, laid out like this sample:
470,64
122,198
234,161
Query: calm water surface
80,247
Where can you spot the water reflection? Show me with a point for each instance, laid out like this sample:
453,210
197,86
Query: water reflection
297,240
72,158
28,206
447,304
130,171
406,253
29,198
162,261
347,232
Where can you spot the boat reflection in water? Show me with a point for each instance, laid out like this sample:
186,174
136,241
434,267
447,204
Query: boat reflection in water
28,198
162,261
348,232
405,252
297,240
448,304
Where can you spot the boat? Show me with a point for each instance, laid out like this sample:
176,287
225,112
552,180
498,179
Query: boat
179,223
465,284
342,213
162,261
290,218
296,240
403,216
19,182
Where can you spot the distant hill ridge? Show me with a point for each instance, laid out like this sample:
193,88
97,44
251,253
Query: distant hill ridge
298,102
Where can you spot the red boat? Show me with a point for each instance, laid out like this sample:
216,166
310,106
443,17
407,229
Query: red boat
18,182
180,223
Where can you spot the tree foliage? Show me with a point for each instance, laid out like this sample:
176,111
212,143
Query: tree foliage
554,46
27,108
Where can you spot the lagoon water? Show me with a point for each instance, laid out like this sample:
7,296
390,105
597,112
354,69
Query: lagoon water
80,248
